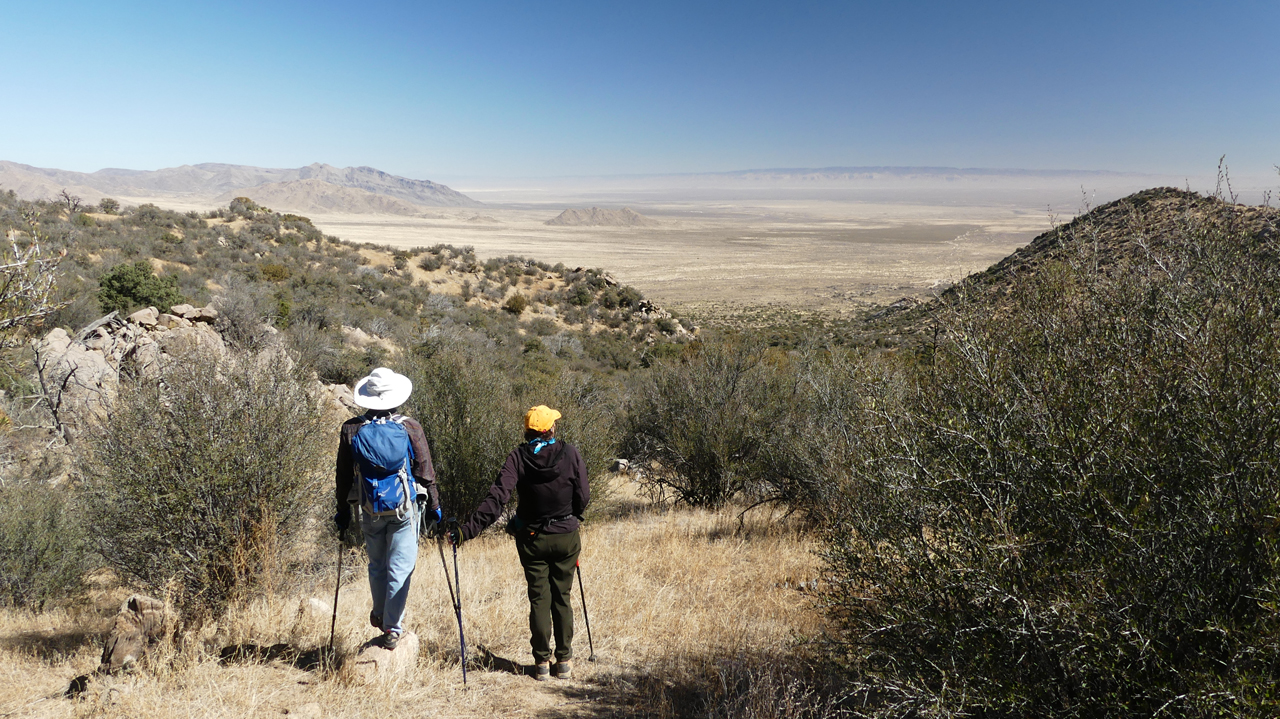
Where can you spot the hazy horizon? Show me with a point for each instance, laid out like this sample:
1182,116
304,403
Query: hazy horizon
504,89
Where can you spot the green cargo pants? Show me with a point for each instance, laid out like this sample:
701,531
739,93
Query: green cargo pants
549,561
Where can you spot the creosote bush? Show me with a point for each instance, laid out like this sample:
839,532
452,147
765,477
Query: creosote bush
43,553
472,411
1069,510
200,479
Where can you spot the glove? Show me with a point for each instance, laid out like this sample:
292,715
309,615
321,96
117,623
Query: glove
429,520
343,520
454,532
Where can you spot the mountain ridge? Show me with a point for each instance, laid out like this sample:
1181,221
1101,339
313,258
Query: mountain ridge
211,179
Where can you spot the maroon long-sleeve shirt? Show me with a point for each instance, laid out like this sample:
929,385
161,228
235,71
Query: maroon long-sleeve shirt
551,485
424,474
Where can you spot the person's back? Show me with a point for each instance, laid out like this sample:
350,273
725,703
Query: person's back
384,468
549,477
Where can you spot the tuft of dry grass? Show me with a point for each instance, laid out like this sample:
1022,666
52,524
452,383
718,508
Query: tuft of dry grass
670,592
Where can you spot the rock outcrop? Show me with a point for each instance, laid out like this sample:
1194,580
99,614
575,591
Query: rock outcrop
82,374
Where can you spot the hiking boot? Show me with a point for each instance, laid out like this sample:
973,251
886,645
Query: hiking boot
564,669
375,620
542,671
387,641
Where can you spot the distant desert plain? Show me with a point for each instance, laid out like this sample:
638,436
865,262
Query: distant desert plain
830,240
826,255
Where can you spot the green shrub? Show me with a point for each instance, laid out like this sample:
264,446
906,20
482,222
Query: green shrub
580,295
471,418
42,548
127,286
701,419
516,304
1069,509
199,480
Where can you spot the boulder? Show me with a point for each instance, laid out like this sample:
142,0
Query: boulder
183,340
82,381
139,623
146,318
205,314
169,321
183,310
373,663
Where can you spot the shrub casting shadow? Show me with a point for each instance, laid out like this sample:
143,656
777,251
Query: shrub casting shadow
50,646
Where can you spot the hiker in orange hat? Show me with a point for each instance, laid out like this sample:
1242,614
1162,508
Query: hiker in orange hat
550,479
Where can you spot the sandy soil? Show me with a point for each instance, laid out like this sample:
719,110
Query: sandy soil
799,253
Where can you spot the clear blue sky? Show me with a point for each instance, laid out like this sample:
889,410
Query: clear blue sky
475,88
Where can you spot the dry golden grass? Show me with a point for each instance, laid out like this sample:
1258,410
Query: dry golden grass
668,591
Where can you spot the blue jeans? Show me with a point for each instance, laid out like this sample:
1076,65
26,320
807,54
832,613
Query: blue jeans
392,545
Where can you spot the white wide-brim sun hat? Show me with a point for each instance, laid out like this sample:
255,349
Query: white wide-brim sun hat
383,389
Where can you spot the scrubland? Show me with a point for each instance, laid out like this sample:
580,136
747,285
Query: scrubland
1048,492
674,596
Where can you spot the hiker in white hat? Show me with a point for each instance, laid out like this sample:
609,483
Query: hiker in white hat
384,472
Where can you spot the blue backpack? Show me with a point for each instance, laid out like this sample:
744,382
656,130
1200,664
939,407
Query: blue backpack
383,455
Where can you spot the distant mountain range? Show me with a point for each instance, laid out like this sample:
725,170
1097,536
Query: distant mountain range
290,189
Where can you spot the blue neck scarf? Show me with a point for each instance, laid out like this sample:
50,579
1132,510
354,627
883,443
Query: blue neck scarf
538,443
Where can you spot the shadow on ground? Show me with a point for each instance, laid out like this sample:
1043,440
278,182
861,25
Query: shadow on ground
51,645
308,660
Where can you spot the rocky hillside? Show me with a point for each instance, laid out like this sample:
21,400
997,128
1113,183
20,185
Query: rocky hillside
597,217
1126,231
318,196
256,266
1122,233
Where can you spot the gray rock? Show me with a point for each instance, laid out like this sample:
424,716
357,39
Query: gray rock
183,340
146,318
183,310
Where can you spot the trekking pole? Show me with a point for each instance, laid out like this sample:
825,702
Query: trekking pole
333,624
455,600
582,592
462,642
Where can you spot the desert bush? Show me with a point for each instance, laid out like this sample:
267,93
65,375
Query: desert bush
131,285
199,480
516,304
701,418
43,551
243,314
471,418
1068,509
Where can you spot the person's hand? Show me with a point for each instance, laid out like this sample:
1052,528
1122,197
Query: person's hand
343,521
453,531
